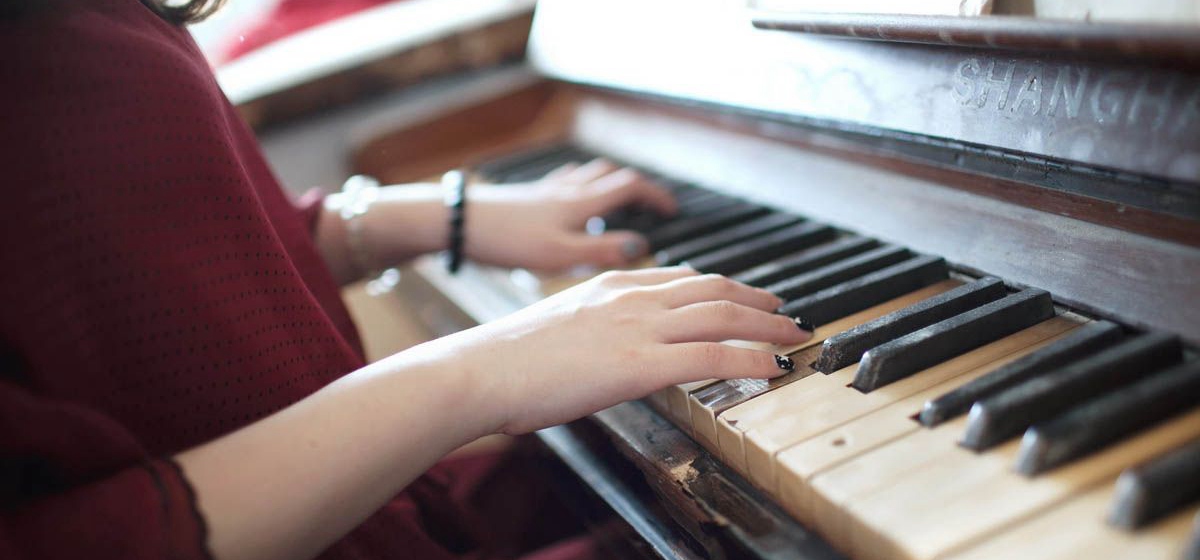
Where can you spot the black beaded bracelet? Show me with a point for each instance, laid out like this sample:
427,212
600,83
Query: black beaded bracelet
455,183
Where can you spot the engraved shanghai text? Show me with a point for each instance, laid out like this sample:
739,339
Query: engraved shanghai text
1162,102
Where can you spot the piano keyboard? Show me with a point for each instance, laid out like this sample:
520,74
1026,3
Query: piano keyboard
933,414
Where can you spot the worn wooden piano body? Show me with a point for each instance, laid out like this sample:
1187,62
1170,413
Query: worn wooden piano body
1059,157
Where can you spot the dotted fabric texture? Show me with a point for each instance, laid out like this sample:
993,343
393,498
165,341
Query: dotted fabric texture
159,290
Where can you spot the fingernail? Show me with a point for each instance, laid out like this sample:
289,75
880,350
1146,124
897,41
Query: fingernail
803,324
632,249
785,363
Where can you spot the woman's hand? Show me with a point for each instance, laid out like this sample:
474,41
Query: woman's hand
541,225
617,337
356,442
538,225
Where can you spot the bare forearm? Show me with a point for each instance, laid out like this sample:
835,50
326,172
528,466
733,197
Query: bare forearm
293,483
406,221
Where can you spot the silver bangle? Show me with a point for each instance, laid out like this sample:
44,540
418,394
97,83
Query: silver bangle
358,193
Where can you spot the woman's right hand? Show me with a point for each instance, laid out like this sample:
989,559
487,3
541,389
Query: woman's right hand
356,442
619,336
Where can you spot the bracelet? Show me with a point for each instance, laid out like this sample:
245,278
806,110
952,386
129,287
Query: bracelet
455,183
358,193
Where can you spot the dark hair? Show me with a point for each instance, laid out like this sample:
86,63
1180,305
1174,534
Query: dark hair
188,11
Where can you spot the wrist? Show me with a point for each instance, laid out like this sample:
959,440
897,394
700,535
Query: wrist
331,241
445,375
406,221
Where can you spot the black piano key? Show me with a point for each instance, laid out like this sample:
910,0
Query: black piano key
900,358
868,290
1161,486
847,347
645,220
691,196
681,189
706,205
502,169
536,169
636,219
804,261
1009,412
837,272
1109,418
535,172
1085,340
680,230
678,253
744,255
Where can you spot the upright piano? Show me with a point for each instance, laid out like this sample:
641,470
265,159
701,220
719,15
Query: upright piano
993,225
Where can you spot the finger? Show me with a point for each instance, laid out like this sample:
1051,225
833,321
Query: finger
651,276
694,361
590,171
714,287
626,187
614,248
714,321
561,172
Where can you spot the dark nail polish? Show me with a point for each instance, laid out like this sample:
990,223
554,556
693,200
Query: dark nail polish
803,324
632,249
785,363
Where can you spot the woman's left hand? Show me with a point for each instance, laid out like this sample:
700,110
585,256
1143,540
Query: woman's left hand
540,225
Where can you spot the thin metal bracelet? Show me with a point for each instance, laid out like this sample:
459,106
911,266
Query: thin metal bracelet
358,193
455,185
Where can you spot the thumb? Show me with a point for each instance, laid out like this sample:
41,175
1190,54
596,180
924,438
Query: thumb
614,248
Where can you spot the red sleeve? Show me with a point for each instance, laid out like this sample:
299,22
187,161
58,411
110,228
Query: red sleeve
76,485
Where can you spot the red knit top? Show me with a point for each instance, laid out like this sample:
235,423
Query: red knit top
158,290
